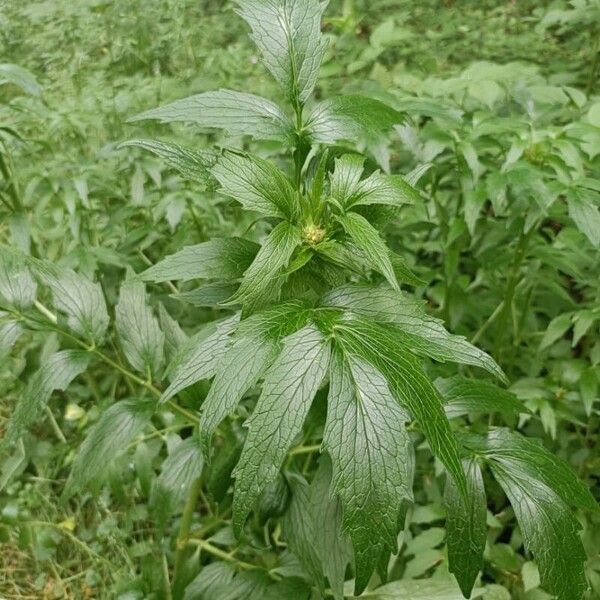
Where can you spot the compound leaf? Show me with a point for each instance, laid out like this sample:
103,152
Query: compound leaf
423,334
379,346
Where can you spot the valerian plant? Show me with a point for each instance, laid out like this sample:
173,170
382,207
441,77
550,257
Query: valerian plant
315,340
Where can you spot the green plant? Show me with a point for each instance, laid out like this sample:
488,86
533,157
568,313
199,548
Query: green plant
314,318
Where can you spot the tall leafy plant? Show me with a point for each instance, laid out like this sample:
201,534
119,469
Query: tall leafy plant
315,319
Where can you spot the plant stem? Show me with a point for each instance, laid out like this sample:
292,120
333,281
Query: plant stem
208,547
183,535
511,285
190,416
57,430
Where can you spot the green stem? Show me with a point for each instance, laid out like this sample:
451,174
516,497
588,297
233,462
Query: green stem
183,535
511,286
51,324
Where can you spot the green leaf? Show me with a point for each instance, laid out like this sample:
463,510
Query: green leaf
20,77
371,454
241,367
345,177
219,581
56,373
421,589
174,335
219,258
367,238
550,532
273,255
423,334
288,34
257,185
379,346
199,357
528,458
10,332
179,470
351,118
235,112
312,528
210,294
466,527
211,583
192,164
141,337
348,189
17,286
465,396
79,298
556,329
333,547
287,393
584,208
108,439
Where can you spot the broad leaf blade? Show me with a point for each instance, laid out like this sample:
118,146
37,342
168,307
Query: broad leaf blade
288,390
273,255
409,384
529,459
56,373
199,357
367,238
10,332
79,298
235,112
466,527
179,470
464,396
420,589
351,118
422,333
17,285
141,337
371,455
288,34
107,440
192,164
550,531
219,258
256,184
240,369
584,209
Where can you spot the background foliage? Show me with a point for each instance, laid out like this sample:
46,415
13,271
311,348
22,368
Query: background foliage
502,99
